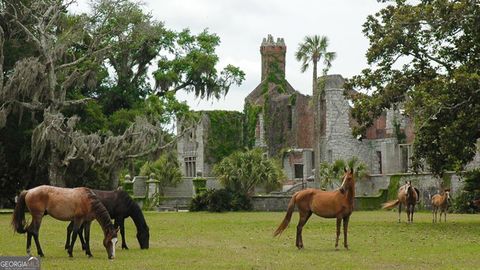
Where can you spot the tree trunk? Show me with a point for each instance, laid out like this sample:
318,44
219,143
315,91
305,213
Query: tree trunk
55,175
316,123
114,176
2,40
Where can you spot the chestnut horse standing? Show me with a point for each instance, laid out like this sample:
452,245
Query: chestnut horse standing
328,204
440,201
67,204
408,196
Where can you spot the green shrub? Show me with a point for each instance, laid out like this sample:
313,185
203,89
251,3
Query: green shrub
220,200
199,184
241,202
462,202
471,191
200,201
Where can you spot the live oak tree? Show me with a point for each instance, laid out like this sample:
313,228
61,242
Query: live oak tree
63,71
424,56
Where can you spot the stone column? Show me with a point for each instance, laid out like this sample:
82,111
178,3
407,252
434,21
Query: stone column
152,186
128,184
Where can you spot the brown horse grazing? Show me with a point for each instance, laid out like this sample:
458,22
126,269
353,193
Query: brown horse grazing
328,204
67,204
408,196
440,201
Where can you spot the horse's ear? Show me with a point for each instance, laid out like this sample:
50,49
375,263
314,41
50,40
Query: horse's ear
351,171
345,169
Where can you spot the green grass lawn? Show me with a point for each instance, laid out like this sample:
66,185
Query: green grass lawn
244,241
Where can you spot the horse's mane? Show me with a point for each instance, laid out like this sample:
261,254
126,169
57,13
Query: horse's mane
133,210
418,193
101,213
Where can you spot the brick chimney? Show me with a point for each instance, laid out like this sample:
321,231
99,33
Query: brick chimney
272,52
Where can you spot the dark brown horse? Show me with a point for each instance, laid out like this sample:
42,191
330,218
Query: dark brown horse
67,204
119,206
476,203
328,204
408,196
440,202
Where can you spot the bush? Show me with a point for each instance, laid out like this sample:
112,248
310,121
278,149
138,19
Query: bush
220,200
200,201
199,184
243,171
462,203
241,202
471,191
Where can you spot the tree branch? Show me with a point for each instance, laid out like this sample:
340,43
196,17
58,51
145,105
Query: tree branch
76,102
156,149
449,107
31,106
79,60
27,31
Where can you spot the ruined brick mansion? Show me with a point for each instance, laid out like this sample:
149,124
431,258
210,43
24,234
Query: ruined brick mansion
280,119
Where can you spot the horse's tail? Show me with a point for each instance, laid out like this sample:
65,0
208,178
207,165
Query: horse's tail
18,220
288,216
390,204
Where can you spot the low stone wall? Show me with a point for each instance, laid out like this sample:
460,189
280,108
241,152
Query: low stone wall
174,203
370,193
270,202
185,187
427,184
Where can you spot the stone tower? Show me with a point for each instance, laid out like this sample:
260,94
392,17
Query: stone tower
272,52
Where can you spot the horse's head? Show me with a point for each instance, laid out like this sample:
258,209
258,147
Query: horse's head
408,188
348,180
447,194
110,240
143,237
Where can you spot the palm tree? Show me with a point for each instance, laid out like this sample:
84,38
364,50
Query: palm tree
331,173
359,168
312,50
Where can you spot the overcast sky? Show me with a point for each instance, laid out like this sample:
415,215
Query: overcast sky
242,24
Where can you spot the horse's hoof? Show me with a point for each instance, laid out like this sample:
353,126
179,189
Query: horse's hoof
346,247
124,247
41,255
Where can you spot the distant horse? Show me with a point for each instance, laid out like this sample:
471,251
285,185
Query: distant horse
440,201
120,206
408,196
476,203
328,204
77,204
